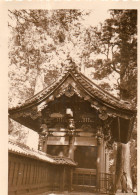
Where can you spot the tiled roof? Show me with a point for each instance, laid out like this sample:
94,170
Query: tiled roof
90,87
23,150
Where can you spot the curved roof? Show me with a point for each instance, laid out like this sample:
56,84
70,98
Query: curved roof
90,88
23,150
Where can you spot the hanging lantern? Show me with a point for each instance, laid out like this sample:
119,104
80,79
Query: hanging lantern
69,112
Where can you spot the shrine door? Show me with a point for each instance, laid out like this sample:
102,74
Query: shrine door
84,176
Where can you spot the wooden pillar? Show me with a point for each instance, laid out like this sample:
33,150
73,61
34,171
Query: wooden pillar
71,178
106,161
71,147
100,161
44,149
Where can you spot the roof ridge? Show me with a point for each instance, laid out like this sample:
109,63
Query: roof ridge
66,70
89,80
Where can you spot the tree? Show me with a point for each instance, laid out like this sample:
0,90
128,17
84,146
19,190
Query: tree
39,43
117,42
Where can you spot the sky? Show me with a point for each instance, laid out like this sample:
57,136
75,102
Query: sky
95,18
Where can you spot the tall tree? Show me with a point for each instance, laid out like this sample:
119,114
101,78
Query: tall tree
39,43
40,40
117,42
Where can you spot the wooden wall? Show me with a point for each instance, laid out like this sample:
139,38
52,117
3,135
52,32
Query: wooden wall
30,176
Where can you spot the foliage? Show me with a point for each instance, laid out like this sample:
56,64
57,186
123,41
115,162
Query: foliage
117,42
40,40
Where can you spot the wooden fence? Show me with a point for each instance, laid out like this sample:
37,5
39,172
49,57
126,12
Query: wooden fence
32,176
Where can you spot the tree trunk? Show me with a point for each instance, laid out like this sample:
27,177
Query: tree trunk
123,165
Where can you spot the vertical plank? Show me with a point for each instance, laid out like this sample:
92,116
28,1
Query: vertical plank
71,174
20,174
31,173
46,174
39,174
43,173
26,175
23,173
62,174
18,168
9,170
35,173
37,179
13,175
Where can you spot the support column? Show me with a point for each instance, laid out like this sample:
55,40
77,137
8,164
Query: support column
123,165
71,133
106,161
42,146
44,137
100,160
44,149
71,147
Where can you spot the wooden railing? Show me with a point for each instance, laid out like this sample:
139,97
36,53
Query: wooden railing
106,183
84,179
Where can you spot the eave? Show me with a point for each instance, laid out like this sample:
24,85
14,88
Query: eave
90,88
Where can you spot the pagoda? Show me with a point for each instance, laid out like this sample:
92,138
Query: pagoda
77,119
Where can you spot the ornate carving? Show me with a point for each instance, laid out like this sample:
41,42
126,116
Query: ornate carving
107,133
99,135
69,92
44,132
86,128
103,113
56,115
42,106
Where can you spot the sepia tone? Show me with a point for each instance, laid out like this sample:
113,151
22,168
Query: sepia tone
82,127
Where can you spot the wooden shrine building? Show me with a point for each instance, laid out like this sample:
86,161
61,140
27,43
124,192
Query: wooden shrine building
78,120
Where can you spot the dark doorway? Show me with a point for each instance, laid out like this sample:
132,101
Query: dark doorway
84,176
86,156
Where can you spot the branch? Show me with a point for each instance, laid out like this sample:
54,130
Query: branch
114,68
18,14
10,26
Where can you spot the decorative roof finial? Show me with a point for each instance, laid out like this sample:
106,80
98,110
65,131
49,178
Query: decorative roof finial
69,63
